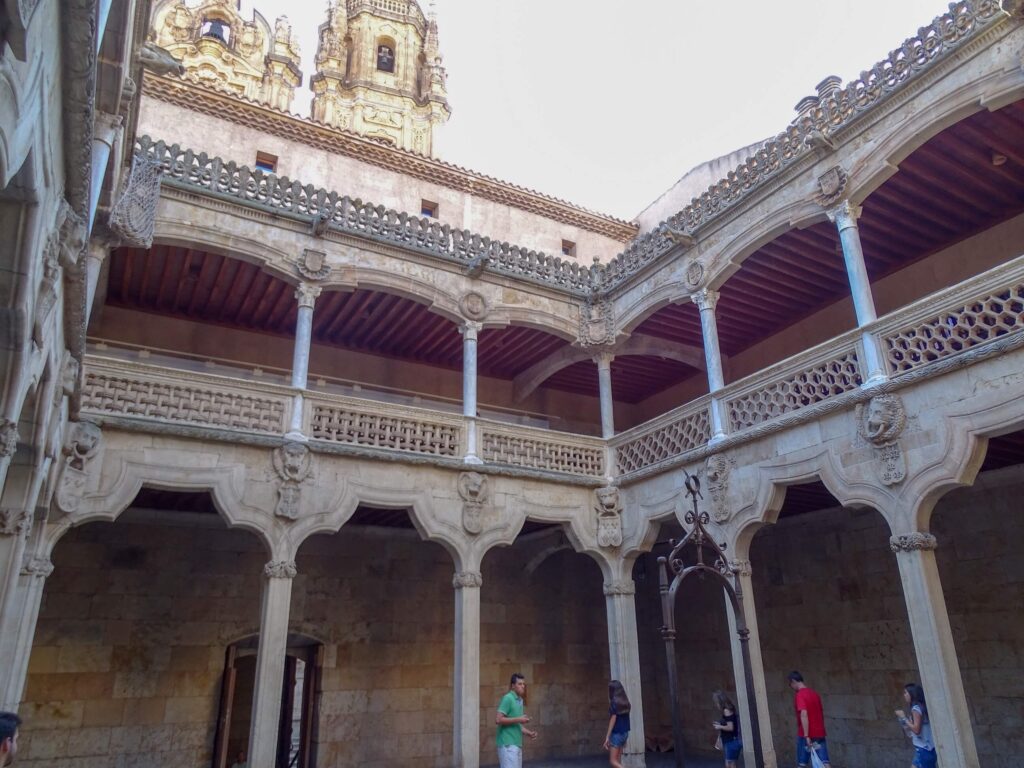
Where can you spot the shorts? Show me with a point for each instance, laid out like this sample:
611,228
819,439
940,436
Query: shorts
510,757
732,749
803,755
925,758
618,739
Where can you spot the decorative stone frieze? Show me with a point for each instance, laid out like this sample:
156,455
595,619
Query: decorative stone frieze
473,489
82,445
40,567
717,469
134,215
911,542
880,423
8,438
467,580
832,186
473,306
313,265
293,463
623,587
14,522
597,323
609,516
844,215
280,569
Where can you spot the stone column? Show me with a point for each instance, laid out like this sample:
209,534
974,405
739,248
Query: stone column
95,255
18,628
624,658
936,653
706,299
466,714
108,128
845,216
604,383
469,331
102,13
306,295
273,644
760,692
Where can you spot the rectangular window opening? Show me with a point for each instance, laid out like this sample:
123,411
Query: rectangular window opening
428,209
266,162
568,248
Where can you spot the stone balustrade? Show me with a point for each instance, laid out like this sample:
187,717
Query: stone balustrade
541,449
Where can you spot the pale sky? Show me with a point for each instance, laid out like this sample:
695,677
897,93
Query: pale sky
606,104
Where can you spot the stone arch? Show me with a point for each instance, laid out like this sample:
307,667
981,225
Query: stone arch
238,246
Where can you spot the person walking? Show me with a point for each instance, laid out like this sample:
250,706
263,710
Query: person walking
511,721
728,728
810,722
9,723
618,723
918,727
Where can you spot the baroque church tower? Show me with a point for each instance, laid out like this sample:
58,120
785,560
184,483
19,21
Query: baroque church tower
379,73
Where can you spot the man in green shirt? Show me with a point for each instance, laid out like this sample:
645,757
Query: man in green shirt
511,720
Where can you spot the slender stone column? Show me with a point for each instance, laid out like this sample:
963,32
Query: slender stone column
706,300
760,693
624,658
604,383
95,256
936,653
18,628
273,645
306,295
466,714
469,331
108,128
845,216
102,13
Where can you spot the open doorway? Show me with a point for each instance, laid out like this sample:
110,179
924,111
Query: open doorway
300,703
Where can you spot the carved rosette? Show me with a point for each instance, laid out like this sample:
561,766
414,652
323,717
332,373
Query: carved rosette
37,566
624,587
912,542
280,569
313,265
717,470
14,522
609,517
831,186
8,438
467,580
880,423
473,490
80,449
293,463
133,218
473,306
597,326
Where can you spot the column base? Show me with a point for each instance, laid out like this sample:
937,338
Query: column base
874,380
717,438
295,437
472,458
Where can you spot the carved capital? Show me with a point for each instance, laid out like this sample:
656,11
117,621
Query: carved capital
280,569
107,126
14,522
133,218
624,587
911,542
467,580
8,438
741,567
307,294
40,567
604,358
470,329
705,298
844,215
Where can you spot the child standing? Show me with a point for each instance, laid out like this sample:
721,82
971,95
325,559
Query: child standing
618,723
918,727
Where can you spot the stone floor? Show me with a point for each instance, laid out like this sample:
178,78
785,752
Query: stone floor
661,760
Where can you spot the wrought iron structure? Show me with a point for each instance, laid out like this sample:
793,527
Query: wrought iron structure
718,567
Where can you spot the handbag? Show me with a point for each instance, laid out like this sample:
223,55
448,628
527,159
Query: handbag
815,760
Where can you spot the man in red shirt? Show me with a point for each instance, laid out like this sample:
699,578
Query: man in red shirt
810,722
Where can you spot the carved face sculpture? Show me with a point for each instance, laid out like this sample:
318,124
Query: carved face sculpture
607,501
293,457
86,440
883,419
472,486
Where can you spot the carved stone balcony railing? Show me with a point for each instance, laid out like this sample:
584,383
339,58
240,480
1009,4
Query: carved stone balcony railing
541,449
672,434
186,169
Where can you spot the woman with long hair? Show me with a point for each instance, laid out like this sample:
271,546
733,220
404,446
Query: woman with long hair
918,727
728,728
618,723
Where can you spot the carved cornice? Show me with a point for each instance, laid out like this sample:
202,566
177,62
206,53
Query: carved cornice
280,569
225,106
624,587
912,542
467,580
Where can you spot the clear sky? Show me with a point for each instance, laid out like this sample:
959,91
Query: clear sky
607,103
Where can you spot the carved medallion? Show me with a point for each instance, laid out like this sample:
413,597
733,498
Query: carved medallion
832,185
313,265
694,273
473,306
609,517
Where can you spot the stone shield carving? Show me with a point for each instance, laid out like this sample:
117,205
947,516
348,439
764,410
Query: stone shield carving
473,306
80,449
831,186
473,491
609,517
880,423
313,265
596,323
717,469
293,463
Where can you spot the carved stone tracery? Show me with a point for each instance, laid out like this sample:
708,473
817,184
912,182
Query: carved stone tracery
717,469
133,218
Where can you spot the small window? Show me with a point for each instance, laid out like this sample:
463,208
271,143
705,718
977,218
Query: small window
568,248
385,58
217,29
266,162
428,208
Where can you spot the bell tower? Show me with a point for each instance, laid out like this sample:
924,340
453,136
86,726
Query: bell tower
379,72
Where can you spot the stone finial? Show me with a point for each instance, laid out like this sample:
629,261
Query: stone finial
280,569
828,86
912,542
